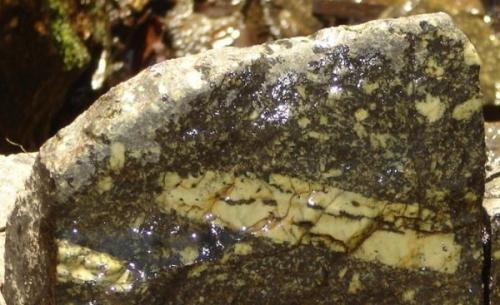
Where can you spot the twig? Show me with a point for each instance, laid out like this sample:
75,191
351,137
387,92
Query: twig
15,144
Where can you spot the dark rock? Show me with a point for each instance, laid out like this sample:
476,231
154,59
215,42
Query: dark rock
346,167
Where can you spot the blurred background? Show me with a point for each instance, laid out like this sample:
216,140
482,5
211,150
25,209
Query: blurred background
58,56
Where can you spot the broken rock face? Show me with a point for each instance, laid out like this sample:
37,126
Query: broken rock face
306,171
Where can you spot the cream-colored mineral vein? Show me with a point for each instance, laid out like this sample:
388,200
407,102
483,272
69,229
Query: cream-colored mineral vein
287,209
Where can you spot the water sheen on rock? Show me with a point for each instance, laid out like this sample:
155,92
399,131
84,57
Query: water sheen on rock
342,168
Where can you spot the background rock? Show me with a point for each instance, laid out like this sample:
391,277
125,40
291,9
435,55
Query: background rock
15,171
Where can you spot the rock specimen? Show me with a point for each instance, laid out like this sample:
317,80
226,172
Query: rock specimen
342,168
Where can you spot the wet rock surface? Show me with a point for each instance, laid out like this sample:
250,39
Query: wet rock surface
312,170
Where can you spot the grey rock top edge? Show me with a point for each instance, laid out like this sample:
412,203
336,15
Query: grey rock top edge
367,141
15,170
129,112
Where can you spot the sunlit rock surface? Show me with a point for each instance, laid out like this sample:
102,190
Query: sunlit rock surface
477,23
343,167
14,170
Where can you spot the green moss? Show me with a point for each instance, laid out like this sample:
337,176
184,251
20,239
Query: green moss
75,54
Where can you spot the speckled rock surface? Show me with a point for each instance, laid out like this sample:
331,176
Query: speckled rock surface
495,257
492,205
14,170
314,170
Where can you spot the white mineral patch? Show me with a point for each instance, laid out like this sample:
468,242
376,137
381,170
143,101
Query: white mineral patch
327,39
162,89
117,156
360,130
431,108
465,110
243,248
342,273
128,96
194,79
188,255
104,184
355,284
470,55
434,68
361,114
409,296
380,140
334,172
370,87
303,122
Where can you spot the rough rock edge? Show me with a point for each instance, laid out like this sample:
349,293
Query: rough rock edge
29,248
15,170
119,110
